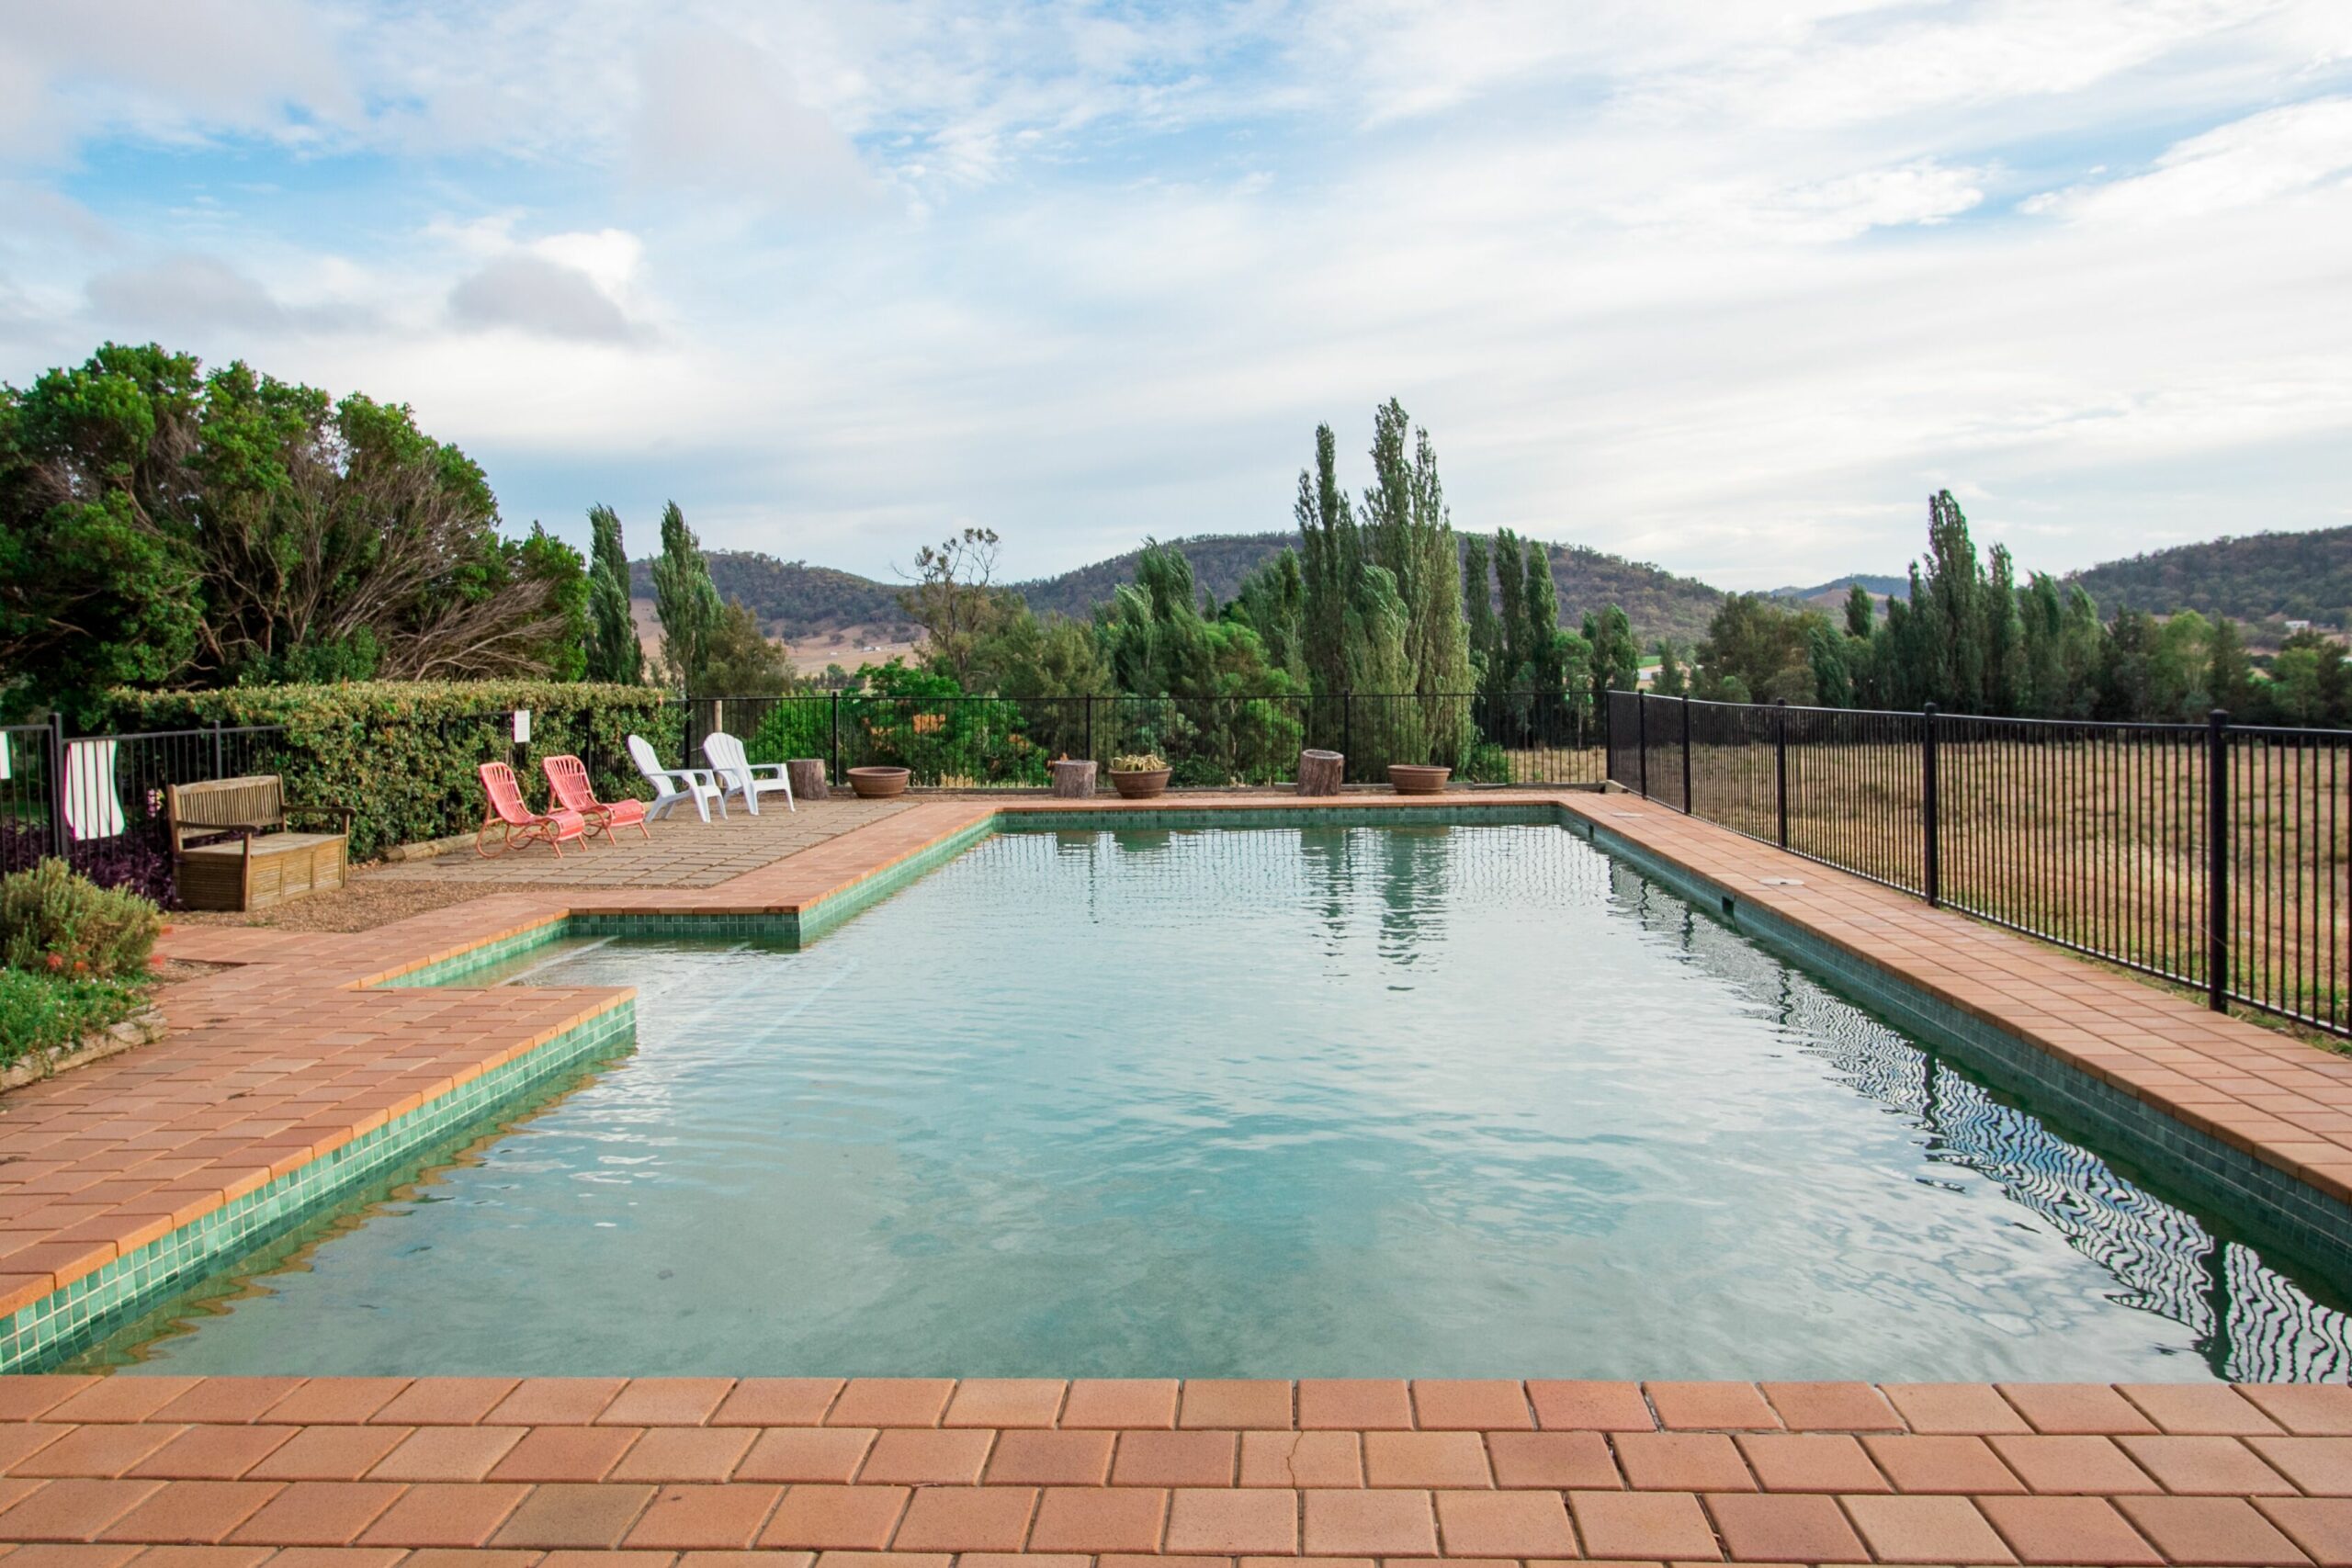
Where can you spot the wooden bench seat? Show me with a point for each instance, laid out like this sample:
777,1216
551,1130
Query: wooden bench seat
260,861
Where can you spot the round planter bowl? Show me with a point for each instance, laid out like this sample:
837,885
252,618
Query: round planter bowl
877,784
1415,778
1141,786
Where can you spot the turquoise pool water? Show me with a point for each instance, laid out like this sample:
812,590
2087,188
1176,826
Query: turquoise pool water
1284,1102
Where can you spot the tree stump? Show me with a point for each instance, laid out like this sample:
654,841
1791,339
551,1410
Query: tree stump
1321,773
1073,780
808,776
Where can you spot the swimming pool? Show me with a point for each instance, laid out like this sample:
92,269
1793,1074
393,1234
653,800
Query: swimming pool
1347,1101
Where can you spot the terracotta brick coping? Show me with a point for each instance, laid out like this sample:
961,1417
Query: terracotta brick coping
480,1473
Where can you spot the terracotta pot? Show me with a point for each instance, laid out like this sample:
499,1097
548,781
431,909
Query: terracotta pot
1140,786
1416,778
877,784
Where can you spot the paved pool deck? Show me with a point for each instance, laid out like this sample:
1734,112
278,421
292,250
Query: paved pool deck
295,1055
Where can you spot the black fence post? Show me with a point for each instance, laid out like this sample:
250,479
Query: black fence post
1686,753
836,743
1928,815
219,768
2217,860
1347,733
1642,736
1781,764
1090,726
60,842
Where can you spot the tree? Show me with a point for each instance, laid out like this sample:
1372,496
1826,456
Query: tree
1669,681
686,600
954,601
2229,673
2043,617
1545,670
160,523
1757,645
1955,642
1616,657
2125,674
1487,652
613,651
1861,611
2006,676
1331,563
739,661
1831,660
1272,601
1408,530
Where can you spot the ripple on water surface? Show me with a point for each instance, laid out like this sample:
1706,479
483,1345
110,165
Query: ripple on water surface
1275,1103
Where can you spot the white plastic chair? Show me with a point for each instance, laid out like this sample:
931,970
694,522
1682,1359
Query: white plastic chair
698,784
742,776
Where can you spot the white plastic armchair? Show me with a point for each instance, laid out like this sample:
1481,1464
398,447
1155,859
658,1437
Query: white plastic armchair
738,774
671,785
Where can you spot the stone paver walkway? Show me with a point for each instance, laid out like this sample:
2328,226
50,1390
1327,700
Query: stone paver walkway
222,1473
680,851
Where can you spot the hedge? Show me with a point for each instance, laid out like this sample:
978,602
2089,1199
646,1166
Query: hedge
401,754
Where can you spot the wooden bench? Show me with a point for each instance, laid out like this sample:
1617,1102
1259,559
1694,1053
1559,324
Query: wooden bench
232,847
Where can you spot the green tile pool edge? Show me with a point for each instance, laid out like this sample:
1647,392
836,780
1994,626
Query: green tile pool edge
69,1319
2260,1199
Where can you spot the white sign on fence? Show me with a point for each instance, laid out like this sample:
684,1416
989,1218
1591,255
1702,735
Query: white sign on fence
522,726
4,773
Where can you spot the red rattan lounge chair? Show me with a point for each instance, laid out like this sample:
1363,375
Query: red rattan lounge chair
509,823
568,784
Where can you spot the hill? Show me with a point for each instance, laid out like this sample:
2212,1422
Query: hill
800,602
2304,577
794,600
1834,591
1658,602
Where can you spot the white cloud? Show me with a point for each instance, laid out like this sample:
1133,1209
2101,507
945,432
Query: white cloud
533,294
2279,153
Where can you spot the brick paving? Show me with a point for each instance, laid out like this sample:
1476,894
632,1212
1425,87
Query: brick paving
202,1471
285,1054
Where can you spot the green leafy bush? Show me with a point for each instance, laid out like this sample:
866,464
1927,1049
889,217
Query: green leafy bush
401,754
53,921
43,1012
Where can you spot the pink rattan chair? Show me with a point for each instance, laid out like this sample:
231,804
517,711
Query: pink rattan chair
510,824
568,784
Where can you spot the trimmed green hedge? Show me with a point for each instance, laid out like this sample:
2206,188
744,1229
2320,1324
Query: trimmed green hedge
401,754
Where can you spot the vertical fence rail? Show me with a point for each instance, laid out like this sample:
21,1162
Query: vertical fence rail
2215,855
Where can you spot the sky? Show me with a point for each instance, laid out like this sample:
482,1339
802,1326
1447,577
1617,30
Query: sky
1731,287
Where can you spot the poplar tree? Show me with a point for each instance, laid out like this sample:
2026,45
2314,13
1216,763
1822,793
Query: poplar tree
1330,558
1861,611
1954,609
686,600
1486,655
614,652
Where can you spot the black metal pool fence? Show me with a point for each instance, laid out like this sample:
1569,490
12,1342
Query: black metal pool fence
2213,855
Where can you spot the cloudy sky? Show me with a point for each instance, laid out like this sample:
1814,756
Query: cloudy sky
1727,287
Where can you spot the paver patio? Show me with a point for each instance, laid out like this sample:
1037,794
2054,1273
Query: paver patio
286,1056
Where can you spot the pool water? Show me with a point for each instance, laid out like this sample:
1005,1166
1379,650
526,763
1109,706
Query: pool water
1275,1102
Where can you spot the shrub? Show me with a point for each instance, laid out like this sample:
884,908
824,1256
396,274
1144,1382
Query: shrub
41,1013
53,922
401,754
1142,762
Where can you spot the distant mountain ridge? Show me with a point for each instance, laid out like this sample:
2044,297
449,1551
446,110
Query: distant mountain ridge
797,601
2301,576
1834,591
2252,577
